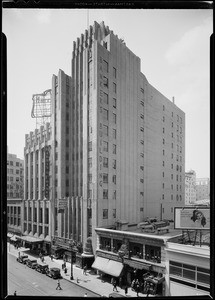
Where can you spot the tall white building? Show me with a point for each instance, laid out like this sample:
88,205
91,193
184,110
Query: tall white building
190,187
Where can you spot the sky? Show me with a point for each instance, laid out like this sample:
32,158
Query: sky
173,46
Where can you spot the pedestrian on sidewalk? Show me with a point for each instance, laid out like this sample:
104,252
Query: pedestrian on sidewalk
65,270
85,270
114,286
137,289
58,285
14,293
126,290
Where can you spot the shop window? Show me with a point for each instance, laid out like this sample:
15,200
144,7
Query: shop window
136,250
116,245
153,253
105,243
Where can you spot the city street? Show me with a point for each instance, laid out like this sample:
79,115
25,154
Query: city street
29,282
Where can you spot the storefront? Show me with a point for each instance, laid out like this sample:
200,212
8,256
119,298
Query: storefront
33,243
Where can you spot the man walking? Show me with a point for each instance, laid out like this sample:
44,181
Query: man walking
58,285
85,270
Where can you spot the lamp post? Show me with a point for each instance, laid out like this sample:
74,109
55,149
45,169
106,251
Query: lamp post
71,275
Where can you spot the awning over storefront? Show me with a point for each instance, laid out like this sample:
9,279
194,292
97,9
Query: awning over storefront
108,266
30,239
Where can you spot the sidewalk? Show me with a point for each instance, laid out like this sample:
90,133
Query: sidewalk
89,281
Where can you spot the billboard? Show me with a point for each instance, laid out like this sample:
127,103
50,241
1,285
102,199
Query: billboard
192,218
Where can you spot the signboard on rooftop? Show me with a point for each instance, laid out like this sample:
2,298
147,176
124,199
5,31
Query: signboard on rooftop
62,205
192,218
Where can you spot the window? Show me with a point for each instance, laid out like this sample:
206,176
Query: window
105,213
90,162
163,119
114,72
153,253
114,195
67,143
105,65
114,163
90,178
105,81
17,164
163,107
114,179
105,194
171,197
114,87
163,152
114,133
114,213
163,130
105,178
105,98
163,174
105,114
90,146
105,146
141,116
163,185
163,163
105,162
11,163
163,141
105,127
114,149
114,102
114,118
142,129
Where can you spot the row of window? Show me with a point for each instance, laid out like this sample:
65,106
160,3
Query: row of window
106,115
105,162
13,179
178,117
106,100
12,163
193,273
106,68
178,197
105,213
10,171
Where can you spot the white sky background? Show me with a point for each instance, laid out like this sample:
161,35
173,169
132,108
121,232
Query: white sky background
173,46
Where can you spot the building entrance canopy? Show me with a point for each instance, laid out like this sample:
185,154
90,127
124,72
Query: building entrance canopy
108,266
30,239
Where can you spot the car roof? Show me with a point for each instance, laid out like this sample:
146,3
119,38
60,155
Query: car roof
54,269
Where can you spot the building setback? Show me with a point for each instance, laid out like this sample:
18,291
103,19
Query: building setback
117,145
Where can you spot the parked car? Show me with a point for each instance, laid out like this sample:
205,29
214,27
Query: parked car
42,268
115,295
54,273
31,263
22,259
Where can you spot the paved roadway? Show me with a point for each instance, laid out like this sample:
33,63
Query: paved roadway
29,282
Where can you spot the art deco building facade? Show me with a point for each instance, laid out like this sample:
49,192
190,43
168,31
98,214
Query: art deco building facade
37,175
117,144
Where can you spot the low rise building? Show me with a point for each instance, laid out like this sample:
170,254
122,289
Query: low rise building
202,188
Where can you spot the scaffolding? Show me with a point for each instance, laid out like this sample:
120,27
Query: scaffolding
41,108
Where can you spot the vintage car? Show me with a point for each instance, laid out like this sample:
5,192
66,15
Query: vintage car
31,263
41,267
22,259
115,295
54,273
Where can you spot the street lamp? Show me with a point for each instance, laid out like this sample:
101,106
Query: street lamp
71,275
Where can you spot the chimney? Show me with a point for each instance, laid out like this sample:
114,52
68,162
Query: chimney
173,100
